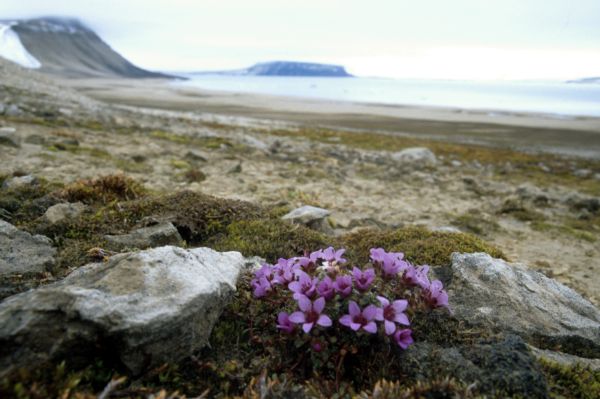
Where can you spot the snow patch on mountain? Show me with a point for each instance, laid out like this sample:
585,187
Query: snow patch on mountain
13,50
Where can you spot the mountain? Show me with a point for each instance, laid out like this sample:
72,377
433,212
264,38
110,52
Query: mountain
289,68
64,47
595,79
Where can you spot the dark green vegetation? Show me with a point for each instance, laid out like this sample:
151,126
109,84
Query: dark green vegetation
247,356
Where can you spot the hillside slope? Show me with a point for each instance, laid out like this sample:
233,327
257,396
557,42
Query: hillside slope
68,48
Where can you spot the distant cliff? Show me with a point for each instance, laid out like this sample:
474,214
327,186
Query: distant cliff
586,80
66,47
288,68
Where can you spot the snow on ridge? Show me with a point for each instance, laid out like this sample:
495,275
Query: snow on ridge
13,50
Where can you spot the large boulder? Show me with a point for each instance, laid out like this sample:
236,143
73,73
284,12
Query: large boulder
140,309
146,237
512,298
416,157
21,252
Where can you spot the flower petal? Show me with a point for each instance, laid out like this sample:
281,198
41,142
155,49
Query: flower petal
319,304
307,327
370,327
370,312
304,303
383,300
353,308
355,326
400,305
324,321
297,317
401,318
346,320
295,286
390,327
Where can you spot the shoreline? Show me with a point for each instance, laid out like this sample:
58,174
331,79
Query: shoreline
578,136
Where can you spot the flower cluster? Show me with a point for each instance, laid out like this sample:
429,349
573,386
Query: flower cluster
321,289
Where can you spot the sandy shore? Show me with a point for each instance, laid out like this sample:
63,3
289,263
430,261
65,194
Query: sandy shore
532,131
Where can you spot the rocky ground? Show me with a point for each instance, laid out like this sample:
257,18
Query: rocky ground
540,210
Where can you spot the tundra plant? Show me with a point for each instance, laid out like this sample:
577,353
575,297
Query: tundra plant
319,295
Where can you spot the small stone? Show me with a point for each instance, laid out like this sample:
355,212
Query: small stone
146,237
19,181
13,110
236,169
8,137
306,214
20,252
59,212
455,163
195,155
582,173
415,157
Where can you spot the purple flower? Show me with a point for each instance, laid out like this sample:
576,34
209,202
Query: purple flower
305,285
377,255
363,280
265,271
310,314
284,323
357,319
325,288
417,276
403,338
261,286
331,255
284,272
435,296
343,285
392,313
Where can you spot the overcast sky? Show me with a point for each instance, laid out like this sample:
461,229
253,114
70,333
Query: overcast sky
472,39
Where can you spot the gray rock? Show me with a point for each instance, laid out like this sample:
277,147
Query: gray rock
312,217
19,181
146,237
564,358
2,108
306,214
417,157
254,142
583,173
142,309
512,298
502,365
13,110
455,163
59,212
447,229
20,252
195,155
8,137
35,139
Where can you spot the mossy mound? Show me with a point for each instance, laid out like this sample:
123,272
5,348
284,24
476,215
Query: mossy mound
269,238
571,381
420,246
103,189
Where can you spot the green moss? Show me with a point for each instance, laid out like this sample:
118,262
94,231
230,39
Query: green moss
179,164
19,205
172,137
571,381
269,238
419,245
103,189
